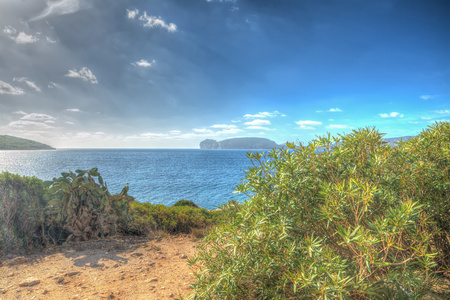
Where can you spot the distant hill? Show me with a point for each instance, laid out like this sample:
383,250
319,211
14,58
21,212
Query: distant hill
393,141
8,142
262,143
240,143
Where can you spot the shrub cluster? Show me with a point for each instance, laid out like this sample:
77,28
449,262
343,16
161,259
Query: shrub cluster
22,200
342,217
146,217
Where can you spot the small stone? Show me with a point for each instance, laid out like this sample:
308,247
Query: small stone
116,266
111,297
17,260
98,265
171,295
11,275
153,279
184,256
70,274
137,254
60,279
2,291
45,292
30,282
150,264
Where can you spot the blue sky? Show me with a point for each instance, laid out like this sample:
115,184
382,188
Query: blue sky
169,74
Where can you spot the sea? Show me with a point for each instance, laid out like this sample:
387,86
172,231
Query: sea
207,177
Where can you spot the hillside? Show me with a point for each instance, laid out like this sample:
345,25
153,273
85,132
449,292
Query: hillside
239,143
8,142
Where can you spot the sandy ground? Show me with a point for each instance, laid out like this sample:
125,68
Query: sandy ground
118,268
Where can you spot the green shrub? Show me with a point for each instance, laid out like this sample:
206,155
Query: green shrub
343,217
186,203
22,200
148,217
81,209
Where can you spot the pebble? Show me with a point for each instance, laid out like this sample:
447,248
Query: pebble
17,260
98,265
70,274
2,291
184,256
137,254
30,282
153,279
171,295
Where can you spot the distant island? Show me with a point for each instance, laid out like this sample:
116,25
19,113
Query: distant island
263,143
8,142
240,143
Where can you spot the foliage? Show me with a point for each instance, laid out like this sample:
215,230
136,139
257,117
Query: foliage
186,203
424,164
148,217
342,217
80,208
22,200
14,143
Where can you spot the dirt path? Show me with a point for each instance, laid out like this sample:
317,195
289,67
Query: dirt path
119,268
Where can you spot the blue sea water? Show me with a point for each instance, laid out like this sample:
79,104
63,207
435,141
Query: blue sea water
207,177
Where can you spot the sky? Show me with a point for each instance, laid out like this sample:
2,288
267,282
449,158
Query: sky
171,73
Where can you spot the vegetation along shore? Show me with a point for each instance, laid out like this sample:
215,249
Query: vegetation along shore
360,220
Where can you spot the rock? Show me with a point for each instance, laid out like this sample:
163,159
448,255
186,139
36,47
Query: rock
2,291
70,274
150,264
116,266
153,279
30,282
45,292
60,279
137,254
98,265
171,295
184,256
17,260
111,297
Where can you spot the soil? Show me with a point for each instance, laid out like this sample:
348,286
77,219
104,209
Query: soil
115,268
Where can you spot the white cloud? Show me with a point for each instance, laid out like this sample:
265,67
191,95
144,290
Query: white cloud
258,122
145,64
223,126
335,110
20,112
24,38
58,7
308,122
442,112
50,40
175,132
84,74
29,125
337,126
131,14
152,22
258,128
30,84
52,85
428,97
6,88
73,110
70,123
331,120
10,31
37,117
201,130
392,115
264,115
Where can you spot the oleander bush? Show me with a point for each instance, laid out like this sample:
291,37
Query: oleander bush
22,200
342,217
